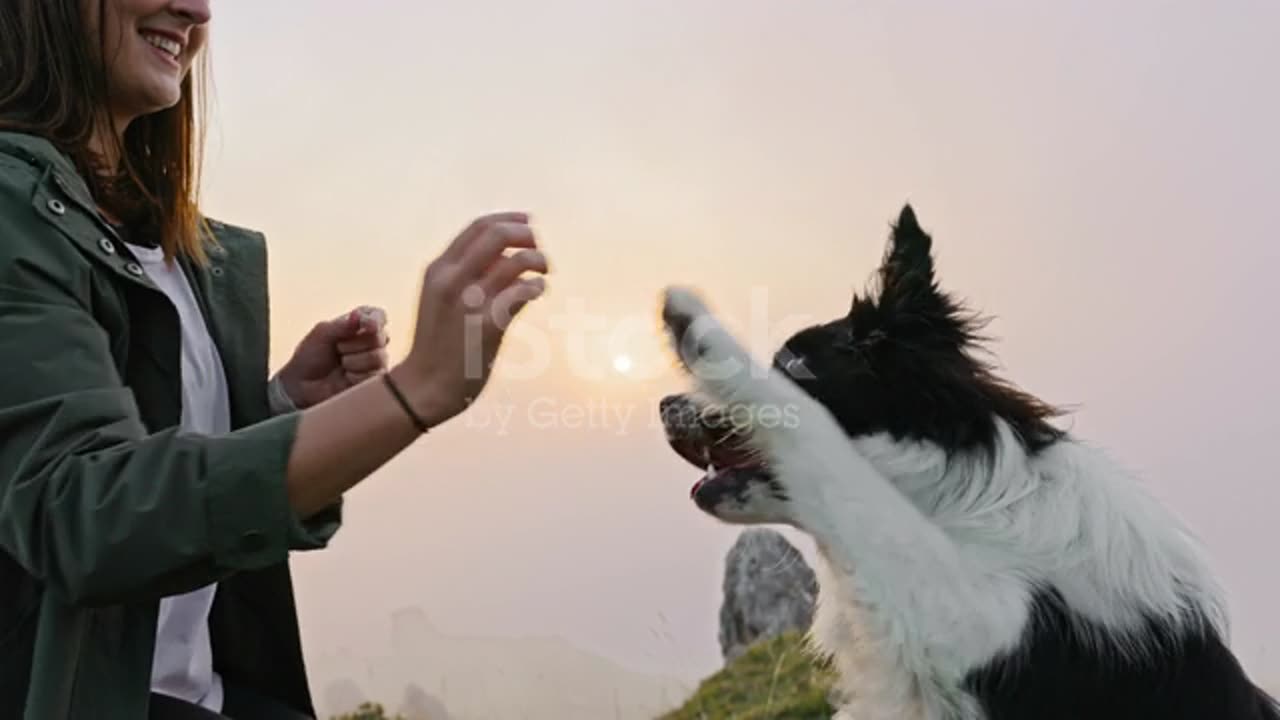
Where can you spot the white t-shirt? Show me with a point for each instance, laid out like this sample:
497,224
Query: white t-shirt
183,662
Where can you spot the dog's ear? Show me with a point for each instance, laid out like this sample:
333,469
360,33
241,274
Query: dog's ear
906,272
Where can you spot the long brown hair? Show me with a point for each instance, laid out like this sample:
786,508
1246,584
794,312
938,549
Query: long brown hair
54,87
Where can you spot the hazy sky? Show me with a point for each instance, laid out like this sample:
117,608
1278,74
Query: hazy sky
1100,177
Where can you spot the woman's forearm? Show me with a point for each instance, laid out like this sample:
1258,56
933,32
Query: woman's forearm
343,440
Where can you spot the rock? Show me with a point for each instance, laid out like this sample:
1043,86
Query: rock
768,589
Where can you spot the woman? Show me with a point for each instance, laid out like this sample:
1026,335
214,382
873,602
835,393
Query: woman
152,480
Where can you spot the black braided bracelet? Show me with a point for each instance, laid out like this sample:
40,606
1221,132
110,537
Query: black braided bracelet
404,403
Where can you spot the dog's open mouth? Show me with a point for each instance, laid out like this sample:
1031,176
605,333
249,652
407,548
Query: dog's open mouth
710,442
722,464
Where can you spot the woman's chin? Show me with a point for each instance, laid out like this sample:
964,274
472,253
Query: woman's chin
145,100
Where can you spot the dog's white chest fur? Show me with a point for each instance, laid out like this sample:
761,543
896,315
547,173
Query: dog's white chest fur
869,685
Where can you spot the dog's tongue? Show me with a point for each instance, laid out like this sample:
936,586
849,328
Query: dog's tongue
718,459
720,473
697,485
702,480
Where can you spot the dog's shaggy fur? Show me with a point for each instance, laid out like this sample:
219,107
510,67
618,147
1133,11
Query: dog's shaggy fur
977,562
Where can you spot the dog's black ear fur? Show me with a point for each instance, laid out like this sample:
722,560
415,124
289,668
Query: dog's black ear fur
906,272
910,246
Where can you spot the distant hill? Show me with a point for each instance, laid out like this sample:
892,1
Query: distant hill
483,678
775,679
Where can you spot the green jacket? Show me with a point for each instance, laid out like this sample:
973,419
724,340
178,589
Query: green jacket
104,506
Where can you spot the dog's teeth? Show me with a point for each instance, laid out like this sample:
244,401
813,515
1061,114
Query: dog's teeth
711,470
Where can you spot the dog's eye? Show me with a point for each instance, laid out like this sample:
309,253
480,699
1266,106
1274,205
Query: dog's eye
793,365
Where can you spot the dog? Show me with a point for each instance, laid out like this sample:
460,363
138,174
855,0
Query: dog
976,562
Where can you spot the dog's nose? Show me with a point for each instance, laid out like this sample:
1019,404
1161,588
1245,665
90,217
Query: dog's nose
678,401
673,409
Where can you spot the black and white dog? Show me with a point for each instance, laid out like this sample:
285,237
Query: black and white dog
977,563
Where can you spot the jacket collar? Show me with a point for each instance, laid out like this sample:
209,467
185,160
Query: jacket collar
41,154
55,166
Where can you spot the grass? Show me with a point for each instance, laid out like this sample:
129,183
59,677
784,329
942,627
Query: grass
778,679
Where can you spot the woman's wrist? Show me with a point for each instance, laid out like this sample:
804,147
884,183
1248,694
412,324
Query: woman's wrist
279,397
343,440
420,393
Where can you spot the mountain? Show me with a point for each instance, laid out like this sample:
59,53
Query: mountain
489,678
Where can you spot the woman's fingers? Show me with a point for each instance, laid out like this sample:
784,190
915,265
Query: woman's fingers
365,362
512,299
479,228
487,248
364,343
508,268
372,318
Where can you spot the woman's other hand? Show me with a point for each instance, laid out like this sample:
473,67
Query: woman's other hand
336,355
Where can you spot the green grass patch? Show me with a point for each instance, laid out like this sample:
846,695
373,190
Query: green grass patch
778,679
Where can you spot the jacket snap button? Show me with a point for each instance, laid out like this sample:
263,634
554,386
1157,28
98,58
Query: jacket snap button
134,268
106,245
56,206
215,271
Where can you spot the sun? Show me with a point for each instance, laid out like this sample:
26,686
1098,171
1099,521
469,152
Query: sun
623,363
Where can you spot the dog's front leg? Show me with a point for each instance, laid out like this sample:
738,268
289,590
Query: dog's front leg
930,612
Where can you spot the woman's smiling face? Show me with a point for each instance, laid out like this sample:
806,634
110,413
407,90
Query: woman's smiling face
148,49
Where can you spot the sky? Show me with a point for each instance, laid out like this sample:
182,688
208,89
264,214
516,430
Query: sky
1100,179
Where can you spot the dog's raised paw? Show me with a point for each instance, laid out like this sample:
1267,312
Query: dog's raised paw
705,347
680,306
687,319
